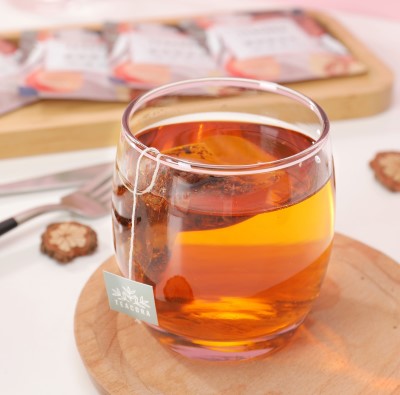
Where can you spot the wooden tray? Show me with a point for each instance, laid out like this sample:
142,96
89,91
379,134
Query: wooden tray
349,344
53,126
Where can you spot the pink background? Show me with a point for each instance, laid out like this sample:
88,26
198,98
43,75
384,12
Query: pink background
378,8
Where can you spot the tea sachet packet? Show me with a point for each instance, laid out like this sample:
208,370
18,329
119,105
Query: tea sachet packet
67,64
147,55
280,46
10,69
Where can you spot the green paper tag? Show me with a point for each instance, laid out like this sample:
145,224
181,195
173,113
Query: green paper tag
131,297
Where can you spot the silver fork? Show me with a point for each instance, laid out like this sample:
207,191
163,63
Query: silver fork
92,200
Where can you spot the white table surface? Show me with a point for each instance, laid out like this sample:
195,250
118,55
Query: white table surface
38,354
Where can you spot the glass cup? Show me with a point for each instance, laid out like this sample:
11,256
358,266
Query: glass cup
229,185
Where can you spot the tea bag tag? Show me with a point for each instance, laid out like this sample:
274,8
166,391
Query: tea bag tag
131,297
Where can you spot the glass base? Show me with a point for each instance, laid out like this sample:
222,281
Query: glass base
218,351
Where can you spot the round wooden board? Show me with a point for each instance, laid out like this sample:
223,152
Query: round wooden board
349,344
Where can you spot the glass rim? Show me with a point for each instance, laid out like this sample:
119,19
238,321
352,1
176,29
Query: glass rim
205,168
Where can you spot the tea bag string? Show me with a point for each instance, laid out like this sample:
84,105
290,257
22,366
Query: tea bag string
136,193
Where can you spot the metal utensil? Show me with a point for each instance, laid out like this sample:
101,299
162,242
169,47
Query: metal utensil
92,200
63,179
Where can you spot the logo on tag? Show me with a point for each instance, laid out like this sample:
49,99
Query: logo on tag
131,297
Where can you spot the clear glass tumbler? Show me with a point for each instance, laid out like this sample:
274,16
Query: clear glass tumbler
224,203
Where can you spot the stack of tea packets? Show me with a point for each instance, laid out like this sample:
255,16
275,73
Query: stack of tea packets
119,60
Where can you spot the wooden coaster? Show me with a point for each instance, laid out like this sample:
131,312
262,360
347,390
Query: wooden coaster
349,344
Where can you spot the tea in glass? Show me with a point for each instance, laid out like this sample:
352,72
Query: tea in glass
230,186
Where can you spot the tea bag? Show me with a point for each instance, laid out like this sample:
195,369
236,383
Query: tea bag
183,200
146,55
280,46
68,64
213,194
148,253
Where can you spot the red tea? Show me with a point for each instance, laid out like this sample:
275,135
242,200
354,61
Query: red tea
233,259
